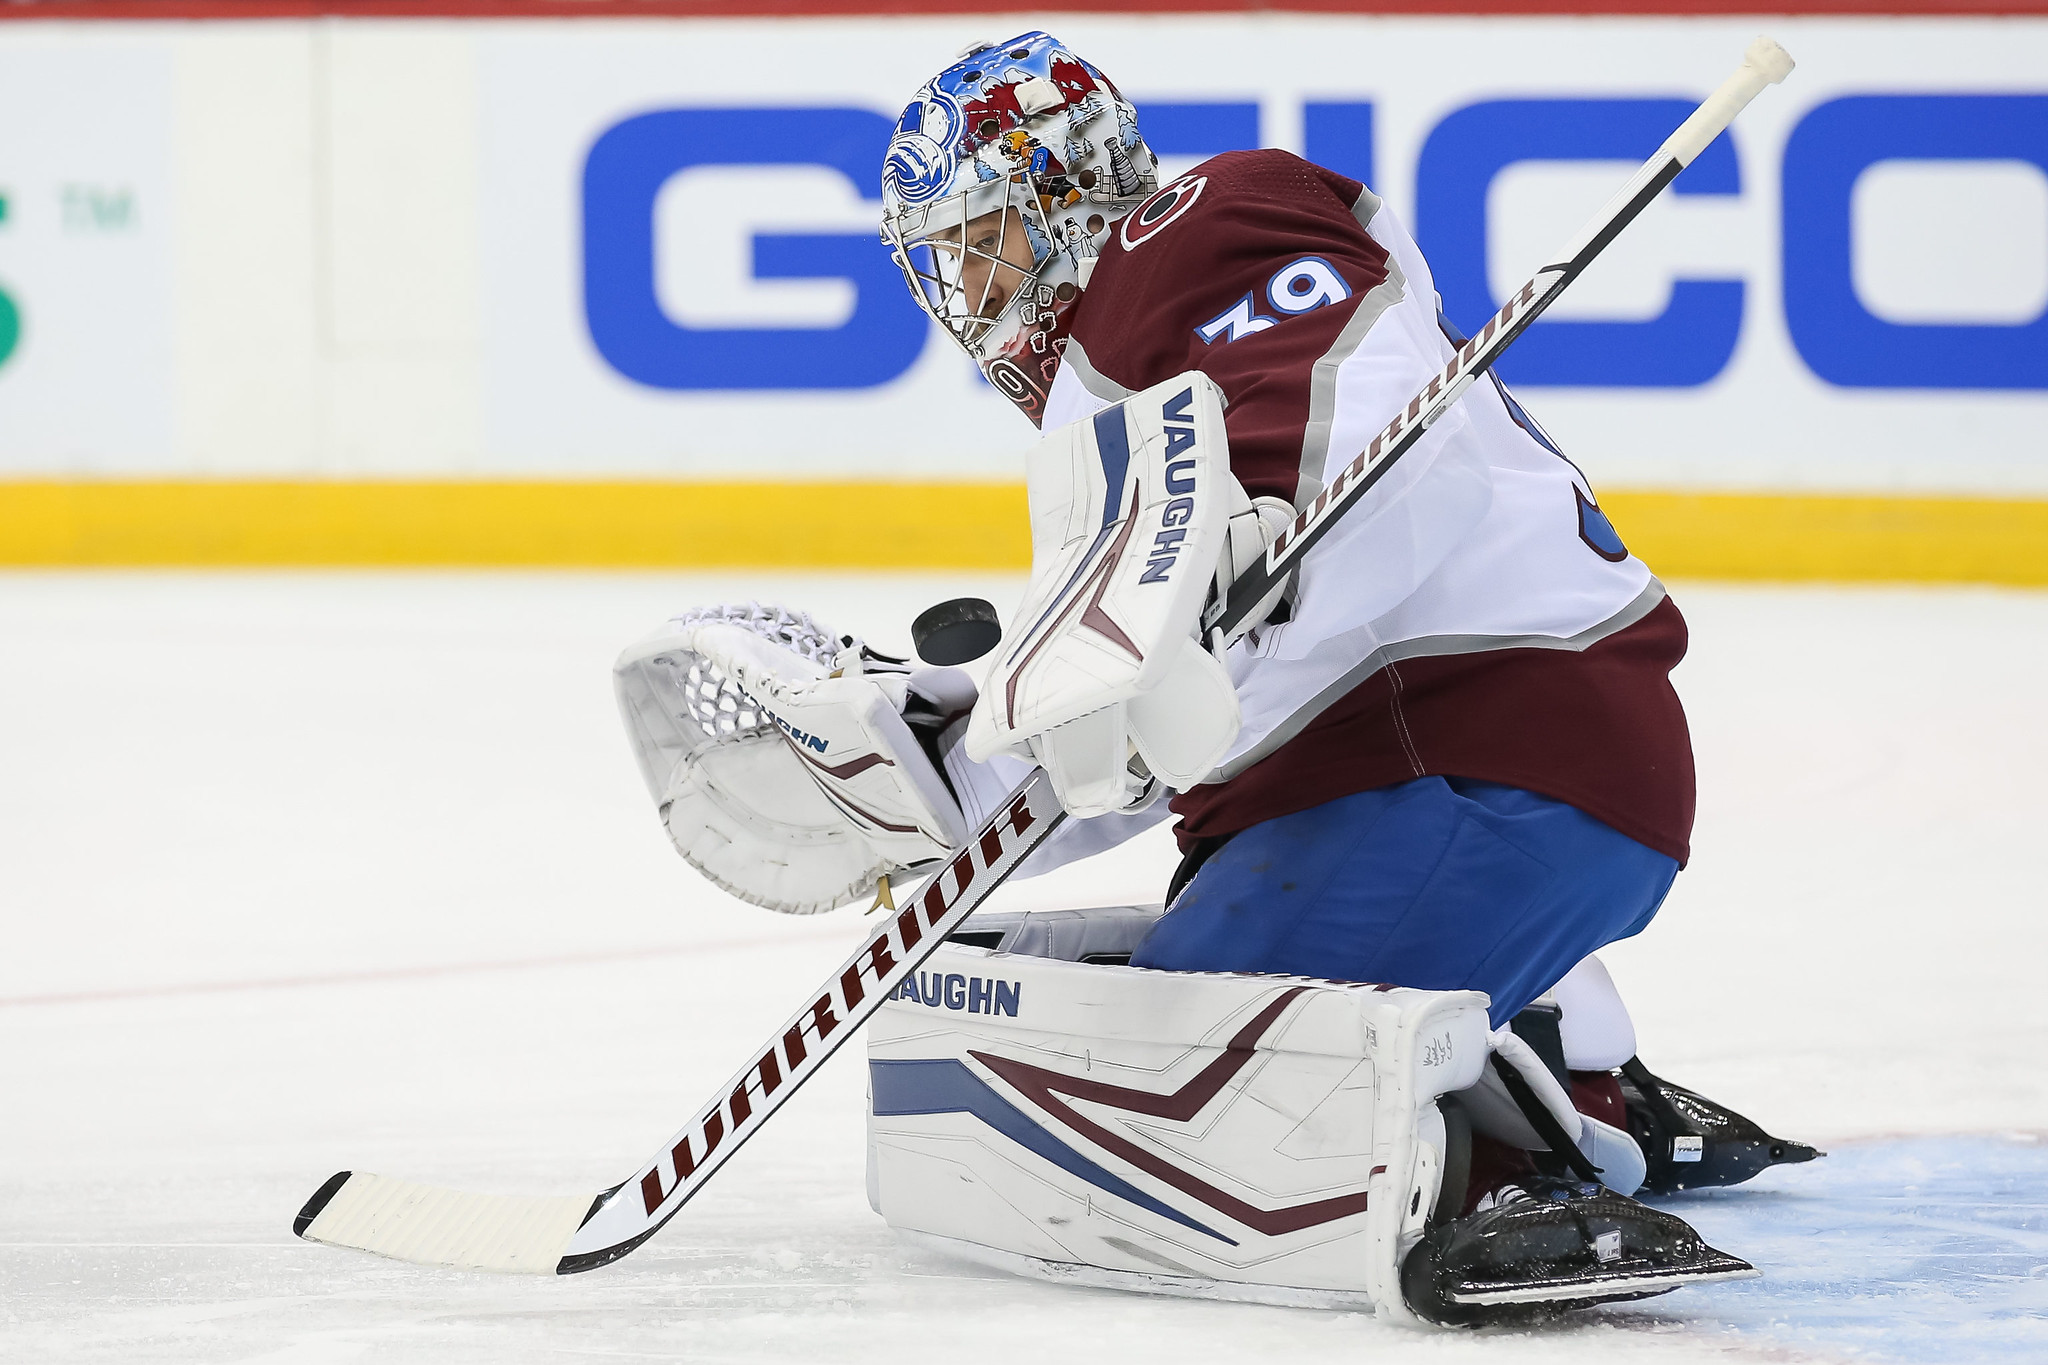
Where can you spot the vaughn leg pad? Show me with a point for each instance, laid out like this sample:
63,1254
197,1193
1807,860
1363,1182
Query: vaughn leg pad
1266,1138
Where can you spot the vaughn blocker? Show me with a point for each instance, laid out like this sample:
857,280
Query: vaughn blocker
1365,1055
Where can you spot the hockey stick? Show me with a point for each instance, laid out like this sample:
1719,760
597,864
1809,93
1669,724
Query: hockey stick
435,1226
1765,63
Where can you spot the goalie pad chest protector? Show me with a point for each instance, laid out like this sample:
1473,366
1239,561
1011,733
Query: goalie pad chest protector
1130,520
1264,1138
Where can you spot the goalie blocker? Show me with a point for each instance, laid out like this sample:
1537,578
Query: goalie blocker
1268,1139
1136,523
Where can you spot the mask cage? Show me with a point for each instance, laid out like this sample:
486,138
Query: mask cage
969,284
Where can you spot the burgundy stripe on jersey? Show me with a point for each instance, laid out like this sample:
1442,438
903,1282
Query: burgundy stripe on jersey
1600,729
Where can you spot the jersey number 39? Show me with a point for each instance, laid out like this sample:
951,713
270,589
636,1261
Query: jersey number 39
1299,287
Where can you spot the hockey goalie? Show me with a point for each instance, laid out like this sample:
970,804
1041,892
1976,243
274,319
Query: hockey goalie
1363,1052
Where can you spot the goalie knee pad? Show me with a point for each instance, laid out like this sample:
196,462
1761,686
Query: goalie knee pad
1594,1028
779,756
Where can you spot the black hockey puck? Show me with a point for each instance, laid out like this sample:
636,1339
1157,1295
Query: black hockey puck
956,632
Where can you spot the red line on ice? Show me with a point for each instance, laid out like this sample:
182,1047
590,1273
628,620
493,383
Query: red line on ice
397,973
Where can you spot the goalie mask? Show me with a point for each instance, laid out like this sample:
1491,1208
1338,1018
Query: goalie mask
1001,181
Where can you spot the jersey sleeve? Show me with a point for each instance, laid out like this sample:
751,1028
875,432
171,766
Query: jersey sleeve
1266,273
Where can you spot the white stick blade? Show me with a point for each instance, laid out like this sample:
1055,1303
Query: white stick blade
431,1226
1772,62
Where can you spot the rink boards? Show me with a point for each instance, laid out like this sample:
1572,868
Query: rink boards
608,290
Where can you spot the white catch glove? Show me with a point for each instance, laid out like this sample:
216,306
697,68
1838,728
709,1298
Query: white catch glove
780,758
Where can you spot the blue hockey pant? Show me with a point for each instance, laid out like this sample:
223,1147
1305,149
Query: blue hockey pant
1439,883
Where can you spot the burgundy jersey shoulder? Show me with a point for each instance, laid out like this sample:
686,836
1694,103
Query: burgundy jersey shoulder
1249,268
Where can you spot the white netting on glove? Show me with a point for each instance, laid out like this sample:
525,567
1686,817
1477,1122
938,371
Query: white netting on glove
728,709
718,705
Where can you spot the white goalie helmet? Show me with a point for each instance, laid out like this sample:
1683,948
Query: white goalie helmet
1001,182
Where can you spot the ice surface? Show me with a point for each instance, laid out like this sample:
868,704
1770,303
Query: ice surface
1919,1249
309,872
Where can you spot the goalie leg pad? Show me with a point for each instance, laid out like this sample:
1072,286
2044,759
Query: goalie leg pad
1272,1140
1215,1135
1674,1138
1612,1152
1594,1025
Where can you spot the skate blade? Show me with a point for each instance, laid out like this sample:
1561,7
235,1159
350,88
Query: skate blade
1566,1288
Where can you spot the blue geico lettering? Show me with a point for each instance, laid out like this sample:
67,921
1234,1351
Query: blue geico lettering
955,991
1689,343
626,168
1180,481
1840,339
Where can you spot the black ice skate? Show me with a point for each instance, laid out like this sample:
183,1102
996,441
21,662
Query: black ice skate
1544,1245
1691,1143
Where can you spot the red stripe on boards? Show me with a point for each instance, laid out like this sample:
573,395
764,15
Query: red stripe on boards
583,9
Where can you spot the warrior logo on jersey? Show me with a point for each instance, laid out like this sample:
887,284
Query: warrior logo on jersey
1150,218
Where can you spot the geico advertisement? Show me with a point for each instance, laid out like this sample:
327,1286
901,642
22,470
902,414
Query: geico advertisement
1847,291
650,248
